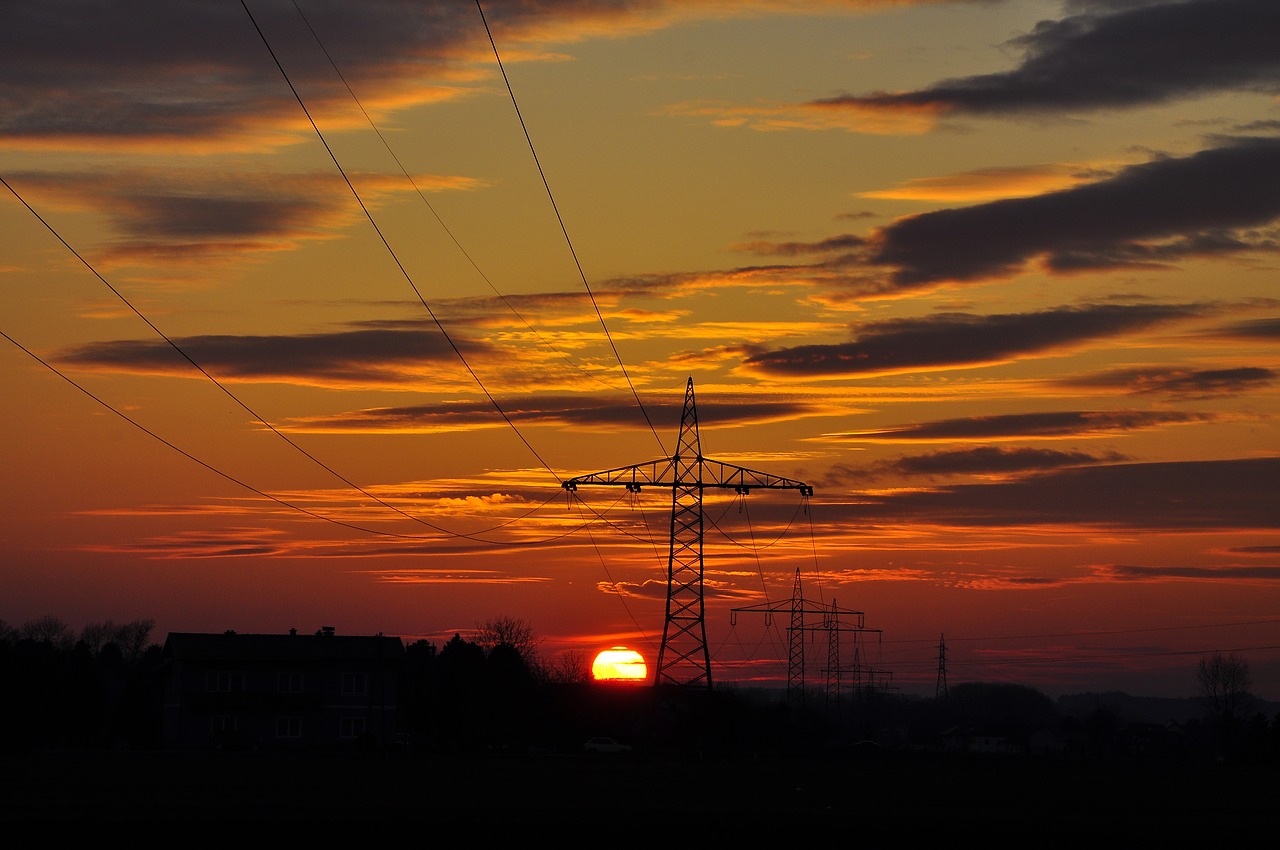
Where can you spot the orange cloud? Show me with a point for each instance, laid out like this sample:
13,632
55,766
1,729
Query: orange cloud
985,184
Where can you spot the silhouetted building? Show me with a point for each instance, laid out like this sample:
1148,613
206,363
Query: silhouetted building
289,691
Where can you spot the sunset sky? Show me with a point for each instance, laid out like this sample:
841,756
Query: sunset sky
310,307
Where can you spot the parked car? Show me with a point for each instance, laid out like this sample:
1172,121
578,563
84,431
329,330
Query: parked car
605,745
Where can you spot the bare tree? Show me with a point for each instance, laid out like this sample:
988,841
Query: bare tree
49,629
97,635
571,667
130,638
1224,683
513,632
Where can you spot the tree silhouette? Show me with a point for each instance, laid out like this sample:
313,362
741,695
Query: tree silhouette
513,632
1224,682
49,629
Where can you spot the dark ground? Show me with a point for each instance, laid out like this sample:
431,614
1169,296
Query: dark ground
873,800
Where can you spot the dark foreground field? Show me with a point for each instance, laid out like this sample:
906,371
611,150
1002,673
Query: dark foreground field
873,800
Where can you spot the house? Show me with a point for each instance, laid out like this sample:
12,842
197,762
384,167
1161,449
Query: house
280,691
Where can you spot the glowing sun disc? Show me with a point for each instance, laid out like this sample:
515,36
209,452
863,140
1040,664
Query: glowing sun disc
619,664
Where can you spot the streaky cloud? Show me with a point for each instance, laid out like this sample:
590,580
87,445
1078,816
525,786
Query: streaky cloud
372,355
952,340
1231,495
1111,57
1173,381
551,410
992,460
1262,329
1050,425
1132,218
1231,573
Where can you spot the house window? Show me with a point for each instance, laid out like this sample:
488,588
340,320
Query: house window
223,681
289,682
353,727
355,683
288,726
222,724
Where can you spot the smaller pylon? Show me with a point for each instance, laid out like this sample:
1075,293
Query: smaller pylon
941,689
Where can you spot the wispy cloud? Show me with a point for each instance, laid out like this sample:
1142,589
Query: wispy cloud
963,340
1011,426
990,461
1215,573
359,357
1111,56
988,184
1130,219
560,411
1173,381
1180,496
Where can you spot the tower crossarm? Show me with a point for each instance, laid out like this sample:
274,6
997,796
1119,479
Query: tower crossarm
674,472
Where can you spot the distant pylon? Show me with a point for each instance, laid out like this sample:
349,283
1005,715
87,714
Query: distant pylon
683,658
941,689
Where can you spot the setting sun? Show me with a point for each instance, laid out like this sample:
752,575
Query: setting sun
619,664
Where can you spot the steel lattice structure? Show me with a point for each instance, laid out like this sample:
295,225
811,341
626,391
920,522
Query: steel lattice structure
683,658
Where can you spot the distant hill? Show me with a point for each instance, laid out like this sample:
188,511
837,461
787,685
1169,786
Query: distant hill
1135,709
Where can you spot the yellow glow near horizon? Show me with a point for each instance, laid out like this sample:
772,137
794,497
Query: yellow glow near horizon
619,664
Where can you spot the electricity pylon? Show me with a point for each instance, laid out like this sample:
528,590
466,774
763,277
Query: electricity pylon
941,689
683,658
807,616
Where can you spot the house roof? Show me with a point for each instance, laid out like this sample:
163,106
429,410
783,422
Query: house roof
326,645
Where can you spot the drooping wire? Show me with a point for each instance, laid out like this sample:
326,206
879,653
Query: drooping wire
387,145
474,536
197,460
445,534
564,229
199,368
395,257
613,583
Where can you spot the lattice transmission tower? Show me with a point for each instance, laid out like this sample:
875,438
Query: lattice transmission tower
807,616
683,658
941,689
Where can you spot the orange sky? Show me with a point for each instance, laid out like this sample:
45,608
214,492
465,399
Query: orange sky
997,279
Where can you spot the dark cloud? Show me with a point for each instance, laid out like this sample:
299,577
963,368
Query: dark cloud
180,212
1073,423
1193,495
1187,383
82,70
1113,57
844,242
963,339
1158,211
1244,573
575,411
367,355
1264,329
984,461
988,460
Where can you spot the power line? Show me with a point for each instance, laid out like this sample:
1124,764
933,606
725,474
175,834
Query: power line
187,357
563,229
405,272
448,232
445,534
212,379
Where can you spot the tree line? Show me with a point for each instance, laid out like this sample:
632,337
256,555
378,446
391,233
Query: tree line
493,689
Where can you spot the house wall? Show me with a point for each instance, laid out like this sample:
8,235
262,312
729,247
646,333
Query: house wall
310,702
